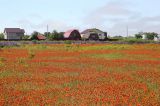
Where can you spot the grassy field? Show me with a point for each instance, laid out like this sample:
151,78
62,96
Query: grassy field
84,75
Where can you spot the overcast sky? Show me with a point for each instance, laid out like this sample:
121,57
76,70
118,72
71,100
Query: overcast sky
112,16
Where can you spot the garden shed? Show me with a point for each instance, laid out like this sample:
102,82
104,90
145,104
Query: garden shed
72,35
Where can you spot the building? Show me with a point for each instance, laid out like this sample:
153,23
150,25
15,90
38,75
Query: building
41,37
13,33
72,35
94,34
144,37
37,37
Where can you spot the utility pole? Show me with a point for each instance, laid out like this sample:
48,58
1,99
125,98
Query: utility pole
47,30
127,30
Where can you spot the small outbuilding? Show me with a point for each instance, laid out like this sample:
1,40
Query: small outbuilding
41,37
72,35
94,34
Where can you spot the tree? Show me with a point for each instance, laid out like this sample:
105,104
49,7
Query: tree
151,35
56,35
61,35
1,36
138,36
34,35
47,34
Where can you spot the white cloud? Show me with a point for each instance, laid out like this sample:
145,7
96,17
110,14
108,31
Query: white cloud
106,16
42,26
116,16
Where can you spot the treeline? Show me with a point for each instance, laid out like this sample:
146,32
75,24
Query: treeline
55,35
148,35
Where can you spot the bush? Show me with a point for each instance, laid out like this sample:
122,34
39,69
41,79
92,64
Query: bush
1,36
138,36
133,40
68,42
34,41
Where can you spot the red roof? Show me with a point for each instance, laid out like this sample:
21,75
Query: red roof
41,37
68,33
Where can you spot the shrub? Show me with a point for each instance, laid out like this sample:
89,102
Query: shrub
68,42
34,41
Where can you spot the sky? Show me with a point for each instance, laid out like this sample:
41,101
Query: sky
112,16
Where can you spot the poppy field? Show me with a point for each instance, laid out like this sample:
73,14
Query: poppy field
80,75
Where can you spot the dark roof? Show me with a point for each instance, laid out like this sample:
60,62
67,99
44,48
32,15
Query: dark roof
91,30
14,30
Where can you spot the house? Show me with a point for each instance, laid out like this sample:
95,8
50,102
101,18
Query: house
72,35
41,37
144,37
94,34
37,37
13,33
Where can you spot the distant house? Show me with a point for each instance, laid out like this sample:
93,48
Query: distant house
144,37
72,35
94,34
37,37
13,33
41,37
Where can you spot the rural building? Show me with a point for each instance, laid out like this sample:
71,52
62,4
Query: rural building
41,37
72,35
13,33
37,37
144,37
94,34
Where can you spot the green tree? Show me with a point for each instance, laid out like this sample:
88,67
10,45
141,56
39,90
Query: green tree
138,36
47,34
34,35
151,35
56,36
1,36
61,35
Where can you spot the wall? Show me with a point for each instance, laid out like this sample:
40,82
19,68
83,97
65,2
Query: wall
13,36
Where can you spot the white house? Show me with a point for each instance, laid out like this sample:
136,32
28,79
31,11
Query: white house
94,34
13,33
144,37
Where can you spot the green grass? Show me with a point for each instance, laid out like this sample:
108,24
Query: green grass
4,74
